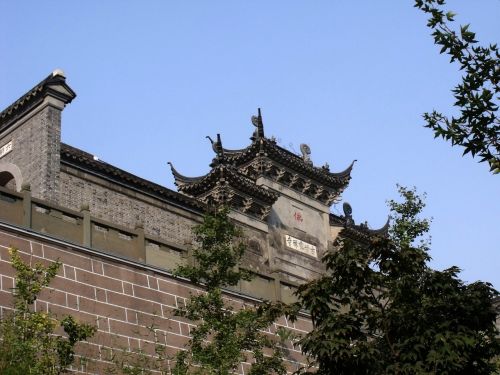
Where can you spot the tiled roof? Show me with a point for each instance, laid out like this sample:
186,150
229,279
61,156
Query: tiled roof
222,173
358,231
34,96
81,159
288,159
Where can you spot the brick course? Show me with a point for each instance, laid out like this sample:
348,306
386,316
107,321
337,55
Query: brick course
36,150
123,299
108,204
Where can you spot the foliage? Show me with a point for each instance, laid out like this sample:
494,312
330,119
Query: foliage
29,343
134,362
137,361
477,127
224,337
381,309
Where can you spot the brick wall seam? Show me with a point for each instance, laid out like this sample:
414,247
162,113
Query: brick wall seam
19,122
120,208
129,321
115,258
107,303
180,209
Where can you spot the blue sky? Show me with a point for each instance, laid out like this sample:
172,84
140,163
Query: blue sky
349,78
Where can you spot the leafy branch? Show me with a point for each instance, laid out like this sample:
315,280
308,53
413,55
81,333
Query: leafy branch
28,342
223,336
477,127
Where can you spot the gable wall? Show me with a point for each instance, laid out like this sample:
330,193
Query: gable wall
36,142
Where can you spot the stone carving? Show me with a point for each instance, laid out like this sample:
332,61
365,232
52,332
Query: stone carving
332,197
307,186
220,195
5,149
257,122
302,246
346,207
364,225
217,147
264,212
247,204
294,180
306,153
319,191
280,174
247,171
264,166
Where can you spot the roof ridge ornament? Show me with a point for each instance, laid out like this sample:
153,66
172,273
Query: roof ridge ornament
257,122
306,153
347,208
58,72
218,149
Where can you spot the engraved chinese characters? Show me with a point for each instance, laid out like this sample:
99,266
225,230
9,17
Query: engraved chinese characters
301,246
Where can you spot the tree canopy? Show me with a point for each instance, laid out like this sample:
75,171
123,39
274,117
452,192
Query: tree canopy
477,126
381,309
223,336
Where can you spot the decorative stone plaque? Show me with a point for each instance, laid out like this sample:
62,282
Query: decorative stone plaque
5,149
302,246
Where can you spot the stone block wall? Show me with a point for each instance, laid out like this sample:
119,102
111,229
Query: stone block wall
124,299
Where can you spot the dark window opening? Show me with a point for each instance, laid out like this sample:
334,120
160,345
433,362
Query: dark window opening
7,180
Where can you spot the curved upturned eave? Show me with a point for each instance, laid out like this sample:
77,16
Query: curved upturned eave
345,173
202,184
261,193
236,152
342,177
238,182
242,155
179,178
340,221
381,231
285,157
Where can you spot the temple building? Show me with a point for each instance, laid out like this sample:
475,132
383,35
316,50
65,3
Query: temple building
119,236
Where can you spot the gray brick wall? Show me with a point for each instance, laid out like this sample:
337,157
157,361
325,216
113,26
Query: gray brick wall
122,208
36,143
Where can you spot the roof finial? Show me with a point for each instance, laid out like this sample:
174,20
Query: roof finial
306,153
257,122
218,149
58,72
346,207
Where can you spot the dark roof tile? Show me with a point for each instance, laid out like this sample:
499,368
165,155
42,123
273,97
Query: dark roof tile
81,159
54,84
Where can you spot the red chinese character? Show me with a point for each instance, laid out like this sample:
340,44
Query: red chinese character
298,216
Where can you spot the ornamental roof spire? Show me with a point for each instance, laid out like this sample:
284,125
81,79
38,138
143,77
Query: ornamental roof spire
218,149
257,122
263,158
